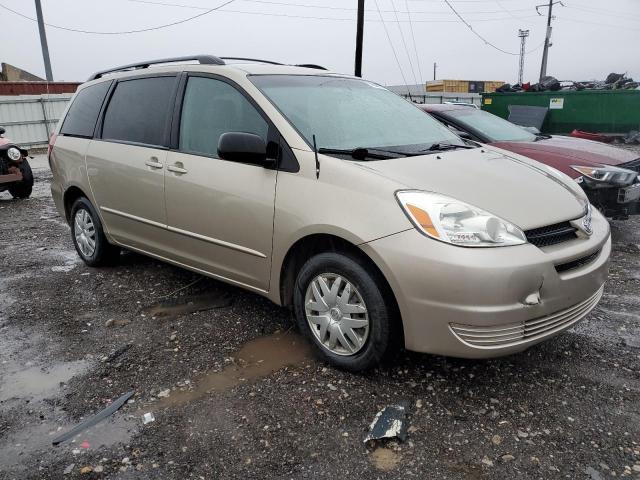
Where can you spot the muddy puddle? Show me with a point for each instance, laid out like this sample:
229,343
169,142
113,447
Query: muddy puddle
36,438
187,305
256,359
385,459
26,381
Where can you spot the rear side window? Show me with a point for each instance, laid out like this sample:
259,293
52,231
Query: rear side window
83,112
138,111
212,107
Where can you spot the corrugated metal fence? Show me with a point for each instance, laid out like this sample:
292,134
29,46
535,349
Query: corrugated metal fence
30,119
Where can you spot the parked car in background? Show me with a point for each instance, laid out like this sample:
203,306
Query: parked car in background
327,193
608,175
15,171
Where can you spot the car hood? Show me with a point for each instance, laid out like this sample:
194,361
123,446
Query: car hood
520,190
573,150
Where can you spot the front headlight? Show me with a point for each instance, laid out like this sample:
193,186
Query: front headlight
607,174
458,223
14,154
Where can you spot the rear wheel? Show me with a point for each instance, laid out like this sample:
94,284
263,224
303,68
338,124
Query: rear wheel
23,188
88,235
339,304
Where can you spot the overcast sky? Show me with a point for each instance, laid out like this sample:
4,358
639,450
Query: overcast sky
591,38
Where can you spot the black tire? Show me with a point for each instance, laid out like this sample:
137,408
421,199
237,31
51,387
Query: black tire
104,253
379,307
24,188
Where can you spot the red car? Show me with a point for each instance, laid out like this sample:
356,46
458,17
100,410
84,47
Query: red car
608,175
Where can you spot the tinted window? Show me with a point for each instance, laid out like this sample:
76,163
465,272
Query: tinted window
138,111
211,108
83,113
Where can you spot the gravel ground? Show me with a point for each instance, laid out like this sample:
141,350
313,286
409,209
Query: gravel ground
236,394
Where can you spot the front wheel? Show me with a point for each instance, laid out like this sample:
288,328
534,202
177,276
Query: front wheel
88,235
339,304
23,188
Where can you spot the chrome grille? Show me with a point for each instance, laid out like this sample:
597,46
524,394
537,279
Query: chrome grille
551,234
498,336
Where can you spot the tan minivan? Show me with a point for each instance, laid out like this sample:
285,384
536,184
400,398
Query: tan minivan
329,194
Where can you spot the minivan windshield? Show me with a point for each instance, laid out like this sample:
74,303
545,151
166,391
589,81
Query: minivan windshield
496,129
347,114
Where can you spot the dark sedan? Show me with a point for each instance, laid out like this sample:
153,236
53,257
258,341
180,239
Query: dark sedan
607,174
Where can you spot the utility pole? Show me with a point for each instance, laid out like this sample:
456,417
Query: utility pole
43,42
434,70
359,38
547,39
523,34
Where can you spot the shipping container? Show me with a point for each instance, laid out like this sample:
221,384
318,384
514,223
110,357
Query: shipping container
606,111
462,86
37,88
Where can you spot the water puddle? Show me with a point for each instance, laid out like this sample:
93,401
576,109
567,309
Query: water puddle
187,305
34,382
36,438
385,459
256,359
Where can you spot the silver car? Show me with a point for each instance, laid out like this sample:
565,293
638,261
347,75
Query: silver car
332,196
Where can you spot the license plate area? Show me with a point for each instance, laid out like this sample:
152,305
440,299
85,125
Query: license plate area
629,194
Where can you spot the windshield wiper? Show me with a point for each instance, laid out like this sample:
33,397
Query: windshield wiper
542,136
362,153
442,146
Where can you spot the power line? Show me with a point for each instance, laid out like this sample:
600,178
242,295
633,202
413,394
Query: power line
330,7
226,10
384,25
125,32
585,22
606,13
413,73
415,46
505,10
487,42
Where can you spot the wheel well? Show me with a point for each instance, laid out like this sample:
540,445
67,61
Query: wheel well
307,247
70,196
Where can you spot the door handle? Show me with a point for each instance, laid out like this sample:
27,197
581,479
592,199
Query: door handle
177,168
153,163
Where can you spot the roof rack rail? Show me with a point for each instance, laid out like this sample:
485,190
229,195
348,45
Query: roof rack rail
259,60
311,65
271,62
202,59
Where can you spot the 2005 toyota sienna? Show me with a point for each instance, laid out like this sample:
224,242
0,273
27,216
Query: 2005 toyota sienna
377,225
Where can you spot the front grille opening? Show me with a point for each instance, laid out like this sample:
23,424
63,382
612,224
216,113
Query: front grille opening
579,262
551,234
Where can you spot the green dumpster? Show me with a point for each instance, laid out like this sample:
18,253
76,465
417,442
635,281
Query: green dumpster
606,111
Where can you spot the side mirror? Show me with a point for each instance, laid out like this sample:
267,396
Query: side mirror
2,130
244,148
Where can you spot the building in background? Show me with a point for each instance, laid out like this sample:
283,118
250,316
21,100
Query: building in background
14,74
15,81
463,86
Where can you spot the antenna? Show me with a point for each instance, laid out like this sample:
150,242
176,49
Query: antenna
523,34
315,151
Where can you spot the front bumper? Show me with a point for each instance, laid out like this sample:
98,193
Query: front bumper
615,202
483,302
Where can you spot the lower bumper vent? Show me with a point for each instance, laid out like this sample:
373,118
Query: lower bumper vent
518,333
